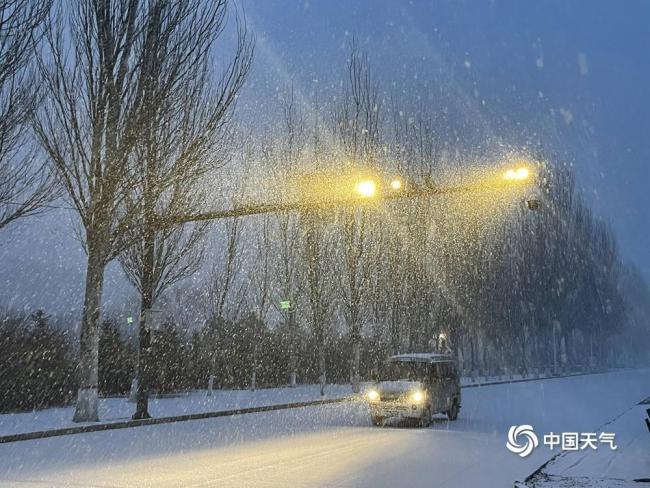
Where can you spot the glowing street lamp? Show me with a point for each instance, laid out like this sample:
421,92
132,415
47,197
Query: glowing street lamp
396,184
517,174
522,174
366,188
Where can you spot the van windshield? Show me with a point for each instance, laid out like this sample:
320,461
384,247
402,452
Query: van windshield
407,370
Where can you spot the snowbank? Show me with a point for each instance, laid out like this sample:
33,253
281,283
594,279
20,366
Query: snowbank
604,467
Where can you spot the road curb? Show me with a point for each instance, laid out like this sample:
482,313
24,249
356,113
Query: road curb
127,424
523,380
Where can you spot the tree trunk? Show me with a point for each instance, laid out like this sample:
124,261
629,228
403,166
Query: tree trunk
321,367
394,330
315,295
146,302
355,336
472,352
293,346
356,360
254,368
144,343
87,395
524,347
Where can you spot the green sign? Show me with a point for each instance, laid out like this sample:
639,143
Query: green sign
285,304
129,320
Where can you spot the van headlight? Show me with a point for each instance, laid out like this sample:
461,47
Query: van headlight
372,395
417,396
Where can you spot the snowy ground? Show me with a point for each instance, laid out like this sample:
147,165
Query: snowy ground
604,467
118,409
331,445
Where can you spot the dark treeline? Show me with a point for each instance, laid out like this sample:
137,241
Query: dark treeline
40,357
37,366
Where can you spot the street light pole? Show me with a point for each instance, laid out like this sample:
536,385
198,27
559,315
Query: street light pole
366,191
366,194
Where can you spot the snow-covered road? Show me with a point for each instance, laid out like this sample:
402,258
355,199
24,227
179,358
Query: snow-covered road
330,445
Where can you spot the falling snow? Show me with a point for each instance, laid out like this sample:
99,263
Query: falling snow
207,206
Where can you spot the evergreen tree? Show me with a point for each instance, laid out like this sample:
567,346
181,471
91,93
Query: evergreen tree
116,361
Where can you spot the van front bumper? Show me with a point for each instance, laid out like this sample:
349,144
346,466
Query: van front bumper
396,409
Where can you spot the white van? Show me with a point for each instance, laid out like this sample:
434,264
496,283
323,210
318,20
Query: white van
417,386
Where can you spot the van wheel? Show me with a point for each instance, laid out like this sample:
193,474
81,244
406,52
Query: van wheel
376,420
452,413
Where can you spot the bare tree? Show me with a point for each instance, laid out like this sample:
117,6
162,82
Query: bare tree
221,289
88,127
178,254
26,185
316,280
183,137
261,286
357,122
103,108
261,279
226,270
286,264
357,117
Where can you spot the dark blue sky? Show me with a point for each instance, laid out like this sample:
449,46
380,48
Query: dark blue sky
571,75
